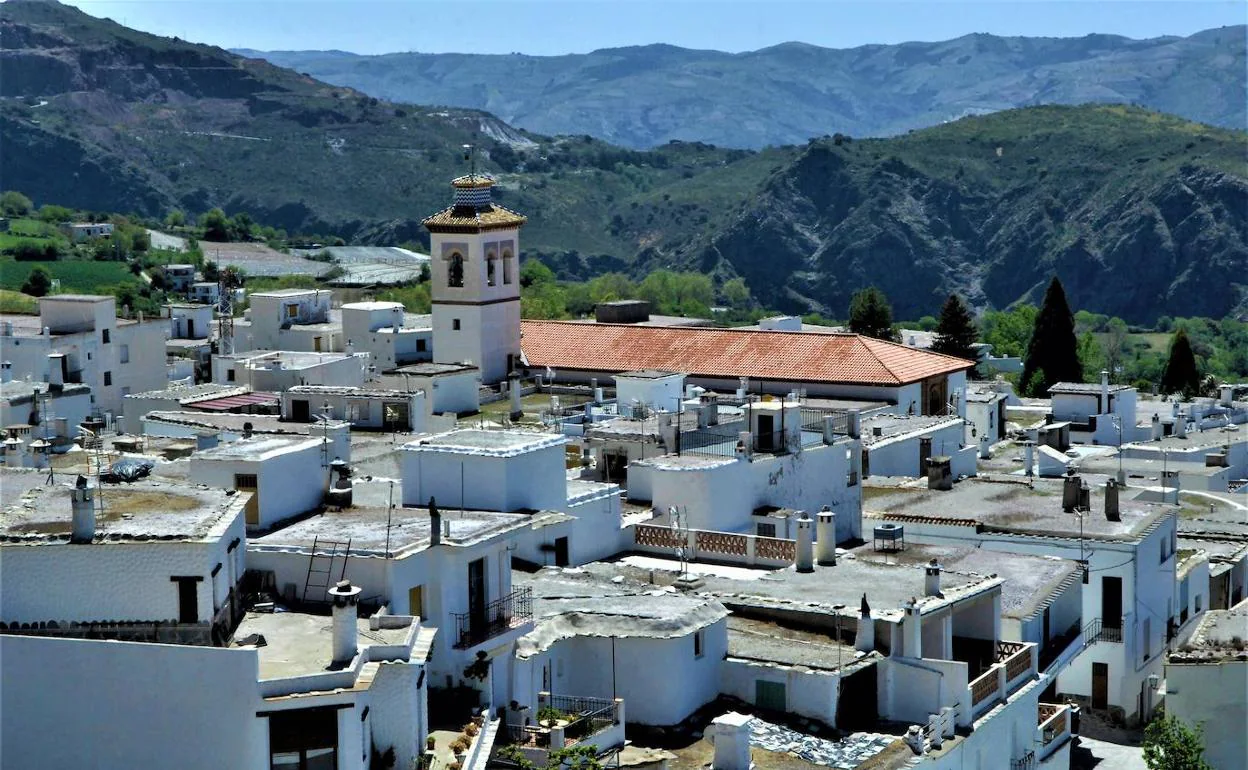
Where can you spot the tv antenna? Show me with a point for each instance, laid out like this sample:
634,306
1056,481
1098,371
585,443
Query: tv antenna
470,155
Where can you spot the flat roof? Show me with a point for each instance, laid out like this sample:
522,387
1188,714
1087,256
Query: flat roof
258,448
347,390
186,394
1201,439
145,510
226,403
1015,506
1085,388
1219,636
409,528
769,642
428,369
288,292
576,601
486,443
299,644
20,391
373,305
648,374
260,423
895,425
289,359
730,353
77,298
686,462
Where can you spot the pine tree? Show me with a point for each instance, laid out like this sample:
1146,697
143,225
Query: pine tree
870,315
1053,349
1181,374
956,333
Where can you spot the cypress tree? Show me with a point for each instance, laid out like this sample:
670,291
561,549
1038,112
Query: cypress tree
870,315
1053,353
1181,374
956,332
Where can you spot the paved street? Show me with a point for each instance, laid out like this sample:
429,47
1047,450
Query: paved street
1093,754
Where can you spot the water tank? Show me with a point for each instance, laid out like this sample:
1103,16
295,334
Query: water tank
889,537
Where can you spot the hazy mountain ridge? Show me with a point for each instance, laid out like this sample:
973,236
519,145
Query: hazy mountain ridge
1141,214
643,96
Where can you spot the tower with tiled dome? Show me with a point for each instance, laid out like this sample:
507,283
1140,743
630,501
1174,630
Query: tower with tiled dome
475,275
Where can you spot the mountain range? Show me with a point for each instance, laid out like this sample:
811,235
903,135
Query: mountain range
644,96
1141,214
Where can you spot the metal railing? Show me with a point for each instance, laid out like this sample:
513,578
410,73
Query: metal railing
586,716
717,440
1100,631
497,617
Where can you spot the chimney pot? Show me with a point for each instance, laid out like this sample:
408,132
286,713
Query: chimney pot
83,502
1111,502
805,544
825,537
931,579
435,523
345,599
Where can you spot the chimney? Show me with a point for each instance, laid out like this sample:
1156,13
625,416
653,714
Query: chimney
1085,496
912,630
1029,459
855,423
931,578
710,406
593,383
745,445
730,734
6,371
1111,502
513,390
940,473
864,641
345,598
1070,491
1156,427
1180,425
435,523
825,537
1104,392
83,527
805,544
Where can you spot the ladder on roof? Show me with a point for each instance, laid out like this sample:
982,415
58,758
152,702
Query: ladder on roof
325,557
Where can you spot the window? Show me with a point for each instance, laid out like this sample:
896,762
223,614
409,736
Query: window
229,375
766,529
455,271
188,598
421,346
292,312
1198,602
104,336
303,739
455,324
108,379
697,644
506,268
124,357
489,270
245,481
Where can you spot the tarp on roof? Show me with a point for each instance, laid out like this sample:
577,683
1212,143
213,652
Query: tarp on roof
234,402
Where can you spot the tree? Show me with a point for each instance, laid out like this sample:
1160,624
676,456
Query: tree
210,271
175,218
216,226
736,294
1181,374
14,204
1171,745
1115,345
38,283
956,332
1009,331
1053,348
871,315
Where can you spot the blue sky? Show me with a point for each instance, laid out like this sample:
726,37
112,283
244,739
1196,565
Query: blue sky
576,26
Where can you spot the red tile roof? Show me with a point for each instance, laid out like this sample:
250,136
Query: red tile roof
233,402
729,353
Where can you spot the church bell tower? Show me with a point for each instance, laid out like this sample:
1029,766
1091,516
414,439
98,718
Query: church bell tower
475,275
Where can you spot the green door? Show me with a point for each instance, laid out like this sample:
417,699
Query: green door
770,695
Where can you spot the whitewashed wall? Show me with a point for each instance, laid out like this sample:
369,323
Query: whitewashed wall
1215,697
809,692
533,479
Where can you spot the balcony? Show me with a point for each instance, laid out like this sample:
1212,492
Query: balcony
1100,630
567,721
1015,664
1053,726
498,617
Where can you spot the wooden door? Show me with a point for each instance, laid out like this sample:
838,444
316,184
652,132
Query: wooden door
770,695
1100,685
416,601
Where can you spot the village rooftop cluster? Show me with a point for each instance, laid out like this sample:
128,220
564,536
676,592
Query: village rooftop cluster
339,535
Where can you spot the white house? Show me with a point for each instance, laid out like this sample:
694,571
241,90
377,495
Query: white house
179,277
79,339
1226,447
189,321
449,388
1097,413
984,411
206,397
365,408
901,445
83,231
641,392
53,413
147,559
281,369
205,292
1130,601
294,320
475,280
286,475
291,690
1206,685
383,330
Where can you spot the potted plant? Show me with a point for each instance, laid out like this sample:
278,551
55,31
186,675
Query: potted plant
549,716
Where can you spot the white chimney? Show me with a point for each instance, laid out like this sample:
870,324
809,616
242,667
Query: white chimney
805,544
1157,430
6,371
855,423
1104,392
745,445
1029,459
912,630
1226,395
513,390
730,735
83,501
825,537
931,578
864,641
345,598
1111,502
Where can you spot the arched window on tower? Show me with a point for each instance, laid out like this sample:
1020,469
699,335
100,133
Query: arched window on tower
490,262
507,269
455,271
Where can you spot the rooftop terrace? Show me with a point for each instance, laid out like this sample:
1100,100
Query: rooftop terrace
1221,635
486,443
